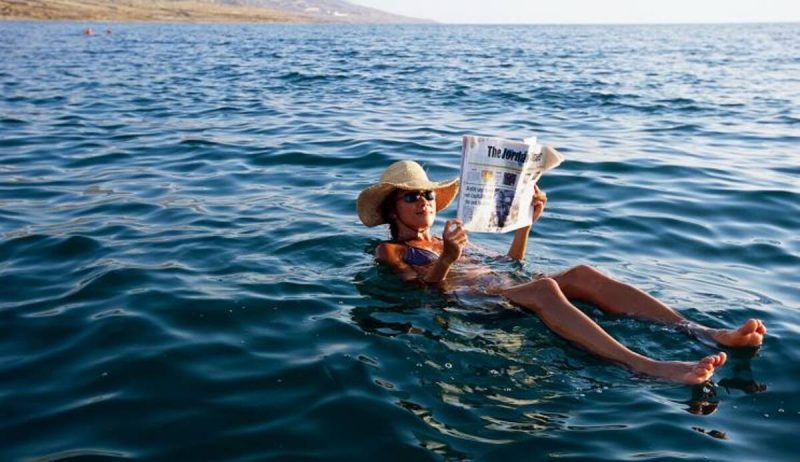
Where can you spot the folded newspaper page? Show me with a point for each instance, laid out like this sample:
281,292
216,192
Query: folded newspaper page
497,180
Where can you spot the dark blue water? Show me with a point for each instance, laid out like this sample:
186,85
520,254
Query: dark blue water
183,276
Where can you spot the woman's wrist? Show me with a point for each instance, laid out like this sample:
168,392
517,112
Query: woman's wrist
520,243
446,260
438,271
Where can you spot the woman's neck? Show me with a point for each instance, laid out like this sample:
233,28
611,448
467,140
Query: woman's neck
405,233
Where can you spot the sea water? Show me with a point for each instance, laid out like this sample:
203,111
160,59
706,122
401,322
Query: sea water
183,275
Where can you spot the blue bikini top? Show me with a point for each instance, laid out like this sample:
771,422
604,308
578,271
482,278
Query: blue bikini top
416,256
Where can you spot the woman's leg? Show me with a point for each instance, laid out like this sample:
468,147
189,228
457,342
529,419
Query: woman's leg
588,284
545,298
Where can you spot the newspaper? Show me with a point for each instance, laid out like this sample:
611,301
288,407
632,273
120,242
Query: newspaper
497,182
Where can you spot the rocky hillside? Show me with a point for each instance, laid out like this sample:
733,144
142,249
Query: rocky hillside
198,10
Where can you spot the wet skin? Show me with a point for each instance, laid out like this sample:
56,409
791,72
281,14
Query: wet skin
551,298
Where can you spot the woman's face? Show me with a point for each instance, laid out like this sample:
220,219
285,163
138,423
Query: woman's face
415,209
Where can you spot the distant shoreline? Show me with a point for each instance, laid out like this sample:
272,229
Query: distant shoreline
177,11
223,21
306,21
163,21
139,11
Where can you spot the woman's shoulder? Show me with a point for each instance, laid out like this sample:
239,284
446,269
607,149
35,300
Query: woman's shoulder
389,250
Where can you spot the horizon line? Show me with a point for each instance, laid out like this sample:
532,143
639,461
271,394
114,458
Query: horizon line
423,22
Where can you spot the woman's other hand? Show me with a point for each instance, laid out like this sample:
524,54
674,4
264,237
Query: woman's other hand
455,239
520,243
539,202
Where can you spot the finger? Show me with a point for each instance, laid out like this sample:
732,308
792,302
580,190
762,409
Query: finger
450,227
454,225
454,229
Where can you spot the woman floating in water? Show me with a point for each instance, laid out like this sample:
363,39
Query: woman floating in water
407,201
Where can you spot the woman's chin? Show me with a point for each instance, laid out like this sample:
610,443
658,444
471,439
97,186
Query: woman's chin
423,224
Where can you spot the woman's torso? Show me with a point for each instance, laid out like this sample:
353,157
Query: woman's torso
468,272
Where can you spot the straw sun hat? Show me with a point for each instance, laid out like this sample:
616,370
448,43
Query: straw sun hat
405,174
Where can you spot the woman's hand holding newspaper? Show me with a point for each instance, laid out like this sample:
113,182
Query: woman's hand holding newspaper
539,201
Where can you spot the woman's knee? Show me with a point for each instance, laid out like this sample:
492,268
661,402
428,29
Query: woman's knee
579,275
548,285
533,291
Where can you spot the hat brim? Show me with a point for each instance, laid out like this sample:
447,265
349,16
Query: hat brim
370,200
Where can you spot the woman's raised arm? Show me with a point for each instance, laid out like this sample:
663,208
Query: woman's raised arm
520,242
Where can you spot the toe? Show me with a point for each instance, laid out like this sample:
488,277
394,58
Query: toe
750,326
705,373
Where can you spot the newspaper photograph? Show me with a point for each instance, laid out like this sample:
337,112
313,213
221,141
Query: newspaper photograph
497,182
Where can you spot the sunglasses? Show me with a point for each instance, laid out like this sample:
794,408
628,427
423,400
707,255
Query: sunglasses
411,197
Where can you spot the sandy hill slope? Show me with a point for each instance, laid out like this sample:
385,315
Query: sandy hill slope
198,10
138,10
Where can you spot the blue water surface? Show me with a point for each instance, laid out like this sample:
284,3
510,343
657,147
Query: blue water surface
183,276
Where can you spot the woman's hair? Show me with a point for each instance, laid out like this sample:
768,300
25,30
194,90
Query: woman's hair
387,213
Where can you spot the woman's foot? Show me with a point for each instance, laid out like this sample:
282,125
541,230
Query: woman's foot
751,334
687,372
